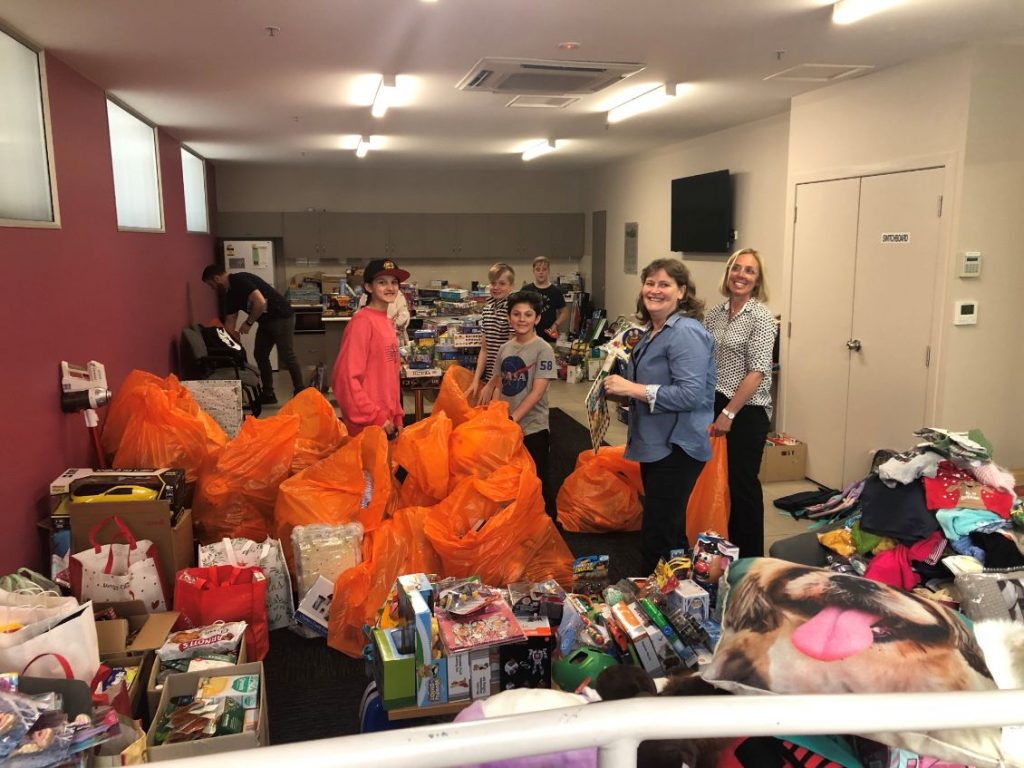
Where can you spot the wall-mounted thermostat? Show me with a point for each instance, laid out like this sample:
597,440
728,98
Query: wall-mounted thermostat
970,264
965,313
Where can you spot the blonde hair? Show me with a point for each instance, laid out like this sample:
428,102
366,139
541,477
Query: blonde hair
760,291
498,269
541,260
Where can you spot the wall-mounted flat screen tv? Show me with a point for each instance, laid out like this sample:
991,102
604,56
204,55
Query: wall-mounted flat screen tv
702,213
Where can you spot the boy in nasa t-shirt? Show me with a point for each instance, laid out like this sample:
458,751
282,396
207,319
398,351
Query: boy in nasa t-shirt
525,366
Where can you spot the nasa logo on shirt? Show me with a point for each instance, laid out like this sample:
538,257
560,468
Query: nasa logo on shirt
515,374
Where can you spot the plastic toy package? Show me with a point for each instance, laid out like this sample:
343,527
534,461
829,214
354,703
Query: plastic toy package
325,550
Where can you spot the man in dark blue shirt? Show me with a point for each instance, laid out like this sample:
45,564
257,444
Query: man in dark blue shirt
266,307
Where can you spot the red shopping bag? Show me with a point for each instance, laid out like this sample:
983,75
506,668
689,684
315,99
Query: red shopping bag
225,593
708,507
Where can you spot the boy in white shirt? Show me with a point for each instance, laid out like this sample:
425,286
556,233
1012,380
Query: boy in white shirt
525,365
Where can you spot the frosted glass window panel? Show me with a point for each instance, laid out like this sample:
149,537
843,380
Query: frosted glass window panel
25,179
136,181
193,174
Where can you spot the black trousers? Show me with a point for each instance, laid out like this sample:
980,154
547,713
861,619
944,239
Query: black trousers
538,445
279,332
667,486
745,443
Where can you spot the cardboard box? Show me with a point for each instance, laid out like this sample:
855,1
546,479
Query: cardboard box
146,520
691,598
459,677
154,692
393,671
187,684
480,673
783,462
151,628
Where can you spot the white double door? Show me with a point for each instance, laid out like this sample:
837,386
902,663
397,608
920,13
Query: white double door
866,253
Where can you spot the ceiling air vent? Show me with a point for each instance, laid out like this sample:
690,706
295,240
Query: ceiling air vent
820,73
542,102
536,77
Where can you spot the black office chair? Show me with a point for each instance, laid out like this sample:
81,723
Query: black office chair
199,363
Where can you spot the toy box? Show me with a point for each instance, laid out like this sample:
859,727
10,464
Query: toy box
431,667
528,664
712,556
459,676
313,610
480,673
690,598
393,671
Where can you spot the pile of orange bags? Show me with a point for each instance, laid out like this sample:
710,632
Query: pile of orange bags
154,422
470,504
238,485
602,493
321,432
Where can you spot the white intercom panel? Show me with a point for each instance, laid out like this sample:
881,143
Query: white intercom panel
970,264
965,313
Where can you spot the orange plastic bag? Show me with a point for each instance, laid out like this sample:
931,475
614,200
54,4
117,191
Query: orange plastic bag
708,507
602,493
486,441
451,400
238,486
422,451
496,528
162,435
332,490
360,591
129,399
321,432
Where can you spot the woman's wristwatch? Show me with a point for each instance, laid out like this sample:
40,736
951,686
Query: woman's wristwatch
728,414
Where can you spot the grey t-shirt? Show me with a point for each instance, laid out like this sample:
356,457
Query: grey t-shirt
519,365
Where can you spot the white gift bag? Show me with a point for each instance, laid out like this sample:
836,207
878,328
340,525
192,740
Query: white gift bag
116,573
72,637
267,555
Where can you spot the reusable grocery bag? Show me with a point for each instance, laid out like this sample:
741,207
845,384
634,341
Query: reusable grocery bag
225,593
267,555
71,635
116,573
708,507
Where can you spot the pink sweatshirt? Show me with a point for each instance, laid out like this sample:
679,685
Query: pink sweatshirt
365,375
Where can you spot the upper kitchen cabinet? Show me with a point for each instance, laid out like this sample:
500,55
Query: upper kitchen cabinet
567,235
231,224
318,237
370,238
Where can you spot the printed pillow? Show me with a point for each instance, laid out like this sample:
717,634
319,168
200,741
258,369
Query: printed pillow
790,628
992,595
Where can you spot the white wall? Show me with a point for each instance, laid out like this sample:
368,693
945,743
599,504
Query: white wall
984,381
640,190
958,110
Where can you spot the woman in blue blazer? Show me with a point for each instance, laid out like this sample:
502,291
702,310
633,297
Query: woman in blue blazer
671,378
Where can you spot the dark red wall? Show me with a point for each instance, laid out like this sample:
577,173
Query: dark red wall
84,292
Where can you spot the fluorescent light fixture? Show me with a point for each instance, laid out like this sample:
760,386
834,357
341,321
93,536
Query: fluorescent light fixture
849,11
363,147
645,102
542,148
385,96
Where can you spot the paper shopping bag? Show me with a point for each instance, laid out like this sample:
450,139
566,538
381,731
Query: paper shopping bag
117,573
267,555
72,637
225,593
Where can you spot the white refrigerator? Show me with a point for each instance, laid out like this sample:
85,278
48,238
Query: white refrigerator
257,258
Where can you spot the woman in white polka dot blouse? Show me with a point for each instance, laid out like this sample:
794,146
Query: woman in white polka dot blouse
744,332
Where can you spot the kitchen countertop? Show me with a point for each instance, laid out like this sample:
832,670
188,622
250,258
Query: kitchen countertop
336,319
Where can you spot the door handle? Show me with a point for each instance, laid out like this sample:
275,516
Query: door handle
853,344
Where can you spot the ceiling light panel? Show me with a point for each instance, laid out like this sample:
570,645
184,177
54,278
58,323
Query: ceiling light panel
645,102
850,11
539,149
385,96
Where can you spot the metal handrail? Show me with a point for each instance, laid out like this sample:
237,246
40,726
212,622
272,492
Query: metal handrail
617,727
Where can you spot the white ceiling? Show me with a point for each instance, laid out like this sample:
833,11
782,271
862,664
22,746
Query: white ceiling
208,72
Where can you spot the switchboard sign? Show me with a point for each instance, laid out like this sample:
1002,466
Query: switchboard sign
892,238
